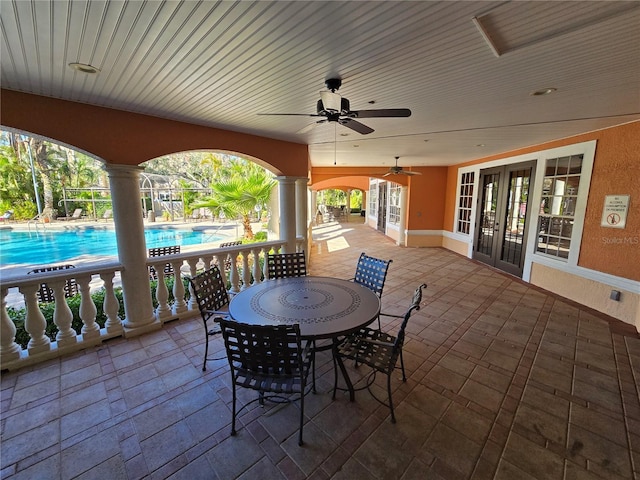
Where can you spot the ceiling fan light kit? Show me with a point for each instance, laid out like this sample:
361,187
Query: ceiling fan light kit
335,108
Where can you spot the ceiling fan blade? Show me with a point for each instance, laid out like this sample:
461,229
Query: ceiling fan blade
387,174
309,127
410,173
388,112
356,126
293,114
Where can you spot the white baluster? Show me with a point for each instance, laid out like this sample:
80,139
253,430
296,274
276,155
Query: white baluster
256,266
9,349
111,306
179,305
193,269
162,294
265,267
246,271
62,315
35,323
90,328
234,276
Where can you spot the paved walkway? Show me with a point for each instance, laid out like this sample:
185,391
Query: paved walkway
506,381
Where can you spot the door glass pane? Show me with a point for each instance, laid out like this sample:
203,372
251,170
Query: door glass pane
515,216
488,213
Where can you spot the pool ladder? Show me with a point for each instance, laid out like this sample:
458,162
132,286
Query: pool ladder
37,220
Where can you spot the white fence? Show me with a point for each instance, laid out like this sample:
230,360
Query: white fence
243,272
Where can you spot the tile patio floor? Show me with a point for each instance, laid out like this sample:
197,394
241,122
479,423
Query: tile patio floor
505,381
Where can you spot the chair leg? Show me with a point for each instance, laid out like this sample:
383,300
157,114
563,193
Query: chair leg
206,348
335,376
301,412
404,377
233,412
313,366
393,417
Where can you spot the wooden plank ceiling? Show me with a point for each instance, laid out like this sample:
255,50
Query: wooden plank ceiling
222,63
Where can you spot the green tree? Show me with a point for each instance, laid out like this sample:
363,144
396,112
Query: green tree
244,186
16,186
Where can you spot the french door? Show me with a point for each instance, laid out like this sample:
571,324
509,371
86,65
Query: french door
502,216
382,206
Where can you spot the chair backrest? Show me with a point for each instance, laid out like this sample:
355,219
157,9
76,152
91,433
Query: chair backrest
159,252
371,272
210,291
285,265
45,294
107,214
77,213
235,243
262,349
415,305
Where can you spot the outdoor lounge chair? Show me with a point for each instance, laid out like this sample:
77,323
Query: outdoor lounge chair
6,216
107,215
45,294
228,262
77,215
159,252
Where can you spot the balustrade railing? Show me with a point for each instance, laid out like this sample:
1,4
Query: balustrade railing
246,267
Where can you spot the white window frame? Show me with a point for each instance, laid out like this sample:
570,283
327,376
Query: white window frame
462,172
372,199
398,204
587,150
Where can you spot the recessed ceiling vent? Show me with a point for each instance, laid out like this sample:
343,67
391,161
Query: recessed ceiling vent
515,25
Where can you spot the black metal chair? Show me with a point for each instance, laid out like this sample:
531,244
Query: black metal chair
284,265
268,359
378,350
45,294
159,252
213,302
229,261
371,272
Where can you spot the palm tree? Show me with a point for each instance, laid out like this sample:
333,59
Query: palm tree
240,193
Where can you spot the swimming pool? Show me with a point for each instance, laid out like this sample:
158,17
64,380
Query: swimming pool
51,246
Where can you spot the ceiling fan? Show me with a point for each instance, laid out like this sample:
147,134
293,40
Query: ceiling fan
335,108
396,170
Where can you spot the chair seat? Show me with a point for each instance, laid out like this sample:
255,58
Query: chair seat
370,347
272,382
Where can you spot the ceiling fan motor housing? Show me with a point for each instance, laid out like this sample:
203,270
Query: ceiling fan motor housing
344,108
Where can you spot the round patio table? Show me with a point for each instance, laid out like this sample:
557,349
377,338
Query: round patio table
324,307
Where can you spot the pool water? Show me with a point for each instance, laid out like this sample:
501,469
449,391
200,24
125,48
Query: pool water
44,247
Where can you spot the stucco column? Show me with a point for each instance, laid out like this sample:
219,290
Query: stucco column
302,202
347,207
124,181
313,208
402,236
287,197
364,205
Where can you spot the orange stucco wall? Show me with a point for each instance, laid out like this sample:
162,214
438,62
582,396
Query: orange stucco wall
120,137
616,170
323,174
426,199
343,183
